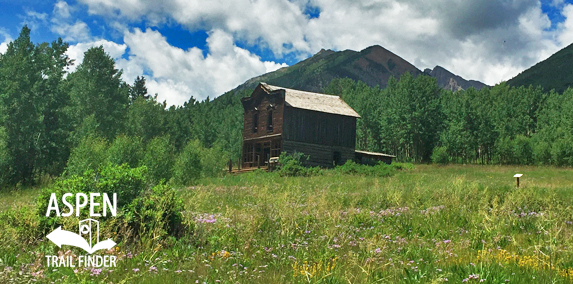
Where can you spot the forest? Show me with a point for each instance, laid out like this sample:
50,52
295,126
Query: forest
54,122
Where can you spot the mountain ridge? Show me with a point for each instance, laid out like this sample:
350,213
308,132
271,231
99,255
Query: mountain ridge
552,73
373,65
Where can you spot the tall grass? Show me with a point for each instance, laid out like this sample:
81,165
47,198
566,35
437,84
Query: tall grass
430,224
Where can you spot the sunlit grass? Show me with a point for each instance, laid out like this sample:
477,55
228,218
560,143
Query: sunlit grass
431,224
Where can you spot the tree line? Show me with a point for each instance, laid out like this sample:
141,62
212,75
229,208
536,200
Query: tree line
417,121
55,122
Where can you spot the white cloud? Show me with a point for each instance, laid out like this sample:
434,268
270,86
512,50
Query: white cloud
565,28
62,9
64,26
488,41
177,74
7,40
76,51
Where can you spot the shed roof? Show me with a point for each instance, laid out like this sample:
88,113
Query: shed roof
373,154
313,101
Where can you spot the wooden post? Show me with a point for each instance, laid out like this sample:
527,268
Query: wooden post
517,176
230,165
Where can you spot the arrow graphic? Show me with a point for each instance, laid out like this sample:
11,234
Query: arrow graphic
62,237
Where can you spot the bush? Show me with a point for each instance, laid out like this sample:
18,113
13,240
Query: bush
90,154
124,181
158,159
188,167
294,165
156,213
440,155
145,214
126,150
213,162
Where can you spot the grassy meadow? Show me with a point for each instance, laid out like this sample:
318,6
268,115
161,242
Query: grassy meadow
430,224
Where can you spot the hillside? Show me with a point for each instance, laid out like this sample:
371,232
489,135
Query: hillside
553,73
373,65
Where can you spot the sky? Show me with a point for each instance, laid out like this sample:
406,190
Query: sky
202,49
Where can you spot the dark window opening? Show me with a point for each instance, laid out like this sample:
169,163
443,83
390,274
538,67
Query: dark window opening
336,157
270,121
255,122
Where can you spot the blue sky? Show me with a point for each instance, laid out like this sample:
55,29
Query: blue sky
204,48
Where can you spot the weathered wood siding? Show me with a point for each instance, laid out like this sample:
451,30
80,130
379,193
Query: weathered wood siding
262,103
320,155
314,127
319,135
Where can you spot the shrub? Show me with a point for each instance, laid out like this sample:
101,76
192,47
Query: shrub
126,182
440,155
402,166
155,214
188,167
158,159
90,154
294,165
213,162
126,150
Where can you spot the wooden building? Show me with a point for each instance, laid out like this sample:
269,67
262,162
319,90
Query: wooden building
278,119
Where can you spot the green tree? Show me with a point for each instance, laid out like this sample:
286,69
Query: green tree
97,89
32,99
138,90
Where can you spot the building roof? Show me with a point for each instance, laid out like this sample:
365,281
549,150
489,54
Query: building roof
313,101
374,154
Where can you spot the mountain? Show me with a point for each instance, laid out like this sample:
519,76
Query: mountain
554,72
373,65
450,81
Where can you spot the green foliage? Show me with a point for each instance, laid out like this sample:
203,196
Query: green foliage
440,155
213,161
295,165
550,73
188,166
126,150
90,154
146,119
96,89
352,168
156,214
5,159
158,159
122,180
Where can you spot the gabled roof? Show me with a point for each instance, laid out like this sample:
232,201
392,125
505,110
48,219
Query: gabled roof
313,101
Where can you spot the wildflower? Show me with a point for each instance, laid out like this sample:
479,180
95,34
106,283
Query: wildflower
95,271
135,270
153,269
178,271
377,250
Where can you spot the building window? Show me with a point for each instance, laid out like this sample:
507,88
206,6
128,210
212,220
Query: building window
255,122
270,121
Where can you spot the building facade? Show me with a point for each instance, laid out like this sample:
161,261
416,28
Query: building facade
284,120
